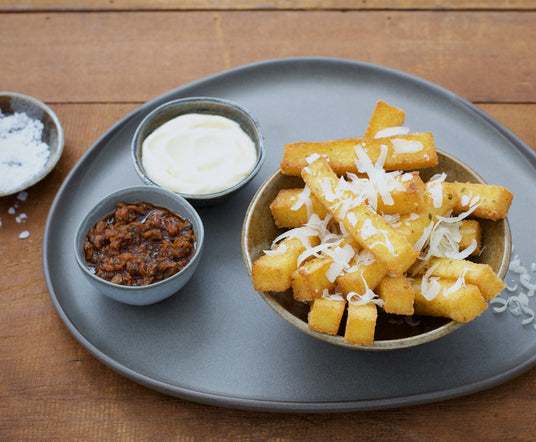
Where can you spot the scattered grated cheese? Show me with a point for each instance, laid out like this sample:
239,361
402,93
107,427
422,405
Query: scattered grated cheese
380,182
304,198
312,158
430,288
460,282
393,220
518,304
401,145
277,251
435,189
341,258
392,131
368,230
369,297
336,296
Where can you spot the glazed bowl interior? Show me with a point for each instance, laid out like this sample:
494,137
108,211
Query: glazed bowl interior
155,292
11,103
392,332
200,105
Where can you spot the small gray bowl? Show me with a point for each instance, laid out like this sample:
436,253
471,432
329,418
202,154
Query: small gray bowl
149,294
11,103
200,105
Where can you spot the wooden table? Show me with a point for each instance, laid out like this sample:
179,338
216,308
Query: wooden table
95,61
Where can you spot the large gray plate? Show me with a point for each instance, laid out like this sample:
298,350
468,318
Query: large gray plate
217,341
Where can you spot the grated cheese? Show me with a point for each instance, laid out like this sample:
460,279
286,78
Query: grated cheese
430,288
368,230
380,182
365,257
518,303
435,189
341,258
336,296
460,283
400,145
369,297
312,158
304,198
392,131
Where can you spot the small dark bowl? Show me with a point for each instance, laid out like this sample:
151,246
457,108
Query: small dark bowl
12,102
201,105
259,231
158,291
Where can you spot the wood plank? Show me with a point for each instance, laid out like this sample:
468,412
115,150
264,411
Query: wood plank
70,57
134,5
52,386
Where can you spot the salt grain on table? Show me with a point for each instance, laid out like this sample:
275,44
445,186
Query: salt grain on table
21,218
22,153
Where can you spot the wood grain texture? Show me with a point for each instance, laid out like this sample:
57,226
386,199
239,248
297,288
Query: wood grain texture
94,67
100,57
135,5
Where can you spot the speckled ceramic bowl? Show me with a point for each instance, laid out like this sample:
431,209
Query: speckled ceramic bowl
11,103
158,291
201,105
259,231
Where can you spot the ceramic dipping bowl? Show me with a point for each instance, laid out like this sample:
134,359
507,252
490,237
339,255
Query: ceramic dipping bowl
157,291
199,105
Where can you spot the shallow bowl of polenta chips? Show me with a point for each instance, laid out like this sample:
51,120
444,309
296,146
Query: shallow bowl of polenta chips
392,331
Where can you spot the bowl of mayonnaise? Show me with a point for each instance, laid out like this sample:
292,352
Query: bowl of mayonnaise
202,148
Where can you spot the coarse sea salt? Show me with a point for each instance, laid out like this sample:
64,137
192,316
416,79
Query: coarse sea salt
22,152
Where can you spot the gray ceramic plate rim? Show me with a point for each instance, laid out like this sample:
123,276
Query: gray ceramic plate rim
53,160
278,405
220,101
378,345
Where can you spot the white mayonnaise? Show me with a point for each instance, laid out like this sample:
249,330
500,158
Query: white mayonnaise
198,154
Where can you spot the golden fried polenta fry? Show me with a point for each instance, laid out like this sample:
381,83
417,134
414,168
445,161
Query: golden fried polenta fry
481,275
342,156
462,304
471,230
368,228
383,116
287,215
493,202
272,272
397,293
367,274
360,324
310,279
325,315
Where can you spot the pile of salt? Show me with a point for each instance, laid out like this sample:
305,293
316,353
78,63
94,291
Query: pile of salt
22,153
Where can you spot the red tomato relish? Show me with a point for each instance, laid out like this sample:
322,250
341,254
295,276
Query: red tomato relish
139,244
